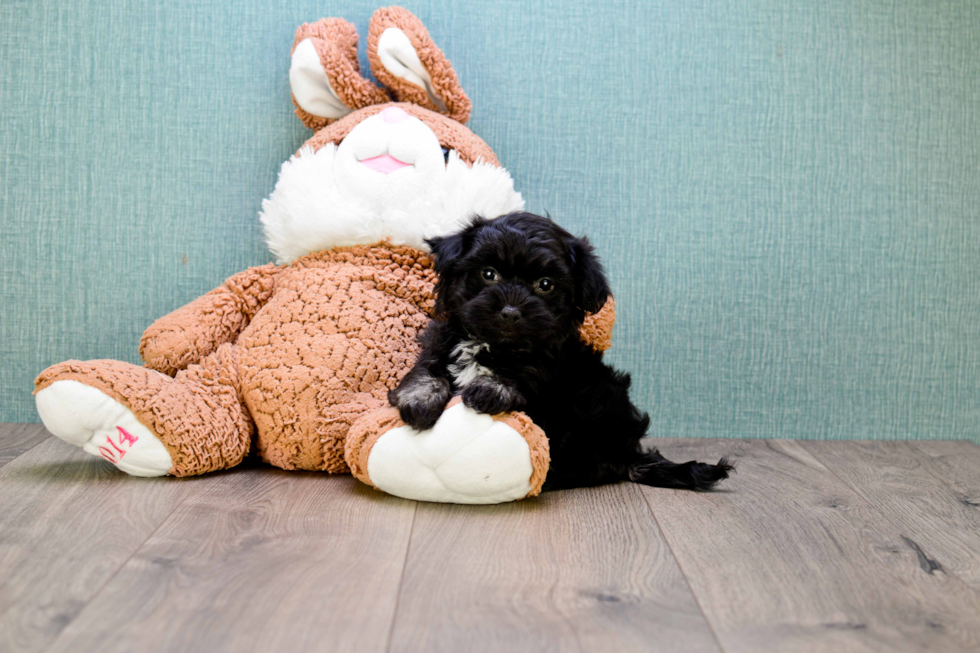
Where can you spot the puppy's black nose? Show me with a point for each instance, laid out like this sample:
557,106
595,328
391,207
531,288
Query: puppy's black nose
510,314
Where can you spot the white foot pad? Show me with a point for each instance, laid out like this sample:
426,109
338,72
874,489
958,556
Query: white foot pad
87,418
466,457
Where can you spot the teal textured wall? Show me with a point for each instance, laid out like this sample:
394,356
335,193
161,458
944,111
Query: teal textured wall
786,193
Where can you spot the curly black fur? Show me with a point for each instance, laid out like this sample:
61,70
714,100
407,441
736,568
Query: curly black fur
511,297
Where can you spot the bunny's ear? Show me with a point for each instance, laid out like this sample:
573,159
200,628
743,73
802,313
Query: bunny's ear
404,58
324,74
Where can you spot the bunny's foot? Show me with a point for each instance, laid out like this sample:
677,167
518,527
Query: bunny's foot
467,457
100,425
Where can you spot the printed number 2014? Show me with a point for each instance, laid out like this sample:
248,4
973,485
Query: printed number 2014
120,447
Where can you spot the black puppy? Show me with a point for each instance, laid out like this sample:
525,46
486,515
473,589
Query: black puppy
511,297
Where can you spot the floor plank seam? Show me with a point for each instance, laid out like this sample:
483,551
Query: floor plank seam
916,549
36,444
401,578
111,578
25,451
697,599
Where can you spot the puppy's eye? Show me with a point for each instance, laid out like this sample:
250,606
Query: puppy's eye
489,275
445,155
545,286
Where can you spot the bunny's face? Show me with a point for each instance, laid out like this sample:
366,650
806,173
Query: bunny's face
377,170
391,156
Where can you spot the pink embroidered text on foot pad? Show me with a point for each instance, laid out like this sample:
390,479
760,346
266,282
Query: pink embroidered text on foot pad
103,427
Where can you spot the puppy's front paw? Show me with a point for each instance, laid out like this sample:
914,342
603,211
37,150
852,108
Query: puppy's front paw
420,400
485,394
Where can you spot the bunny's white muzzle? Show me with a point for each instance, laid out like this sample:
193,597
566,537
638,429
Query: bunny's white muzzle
388,180
389,160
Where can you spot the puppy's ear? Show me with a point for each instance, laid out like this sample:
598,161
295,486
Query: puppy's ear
449,252
446,249
591,287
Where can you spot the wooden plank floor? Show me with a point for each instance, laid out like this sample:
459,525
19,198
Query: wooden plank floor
812,546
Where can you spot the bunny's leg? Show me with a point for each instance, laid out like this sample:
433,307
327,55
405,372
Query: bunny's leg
147,423
467,457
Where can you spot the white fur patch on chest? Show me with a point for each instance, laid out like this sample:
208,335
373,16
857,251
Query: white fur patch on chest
464,367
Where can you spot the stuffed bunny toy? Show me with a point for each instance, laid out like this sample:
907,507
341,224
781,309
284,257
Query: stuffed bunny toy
293,361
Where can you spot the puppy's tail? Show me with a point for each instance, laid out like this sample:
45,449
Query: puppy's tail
655,470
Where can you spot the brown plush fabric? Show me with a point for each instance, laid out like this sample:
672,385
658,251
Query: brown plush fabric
598,327
362,437
190,333
335,41
451,134
537,442
340,331
444,80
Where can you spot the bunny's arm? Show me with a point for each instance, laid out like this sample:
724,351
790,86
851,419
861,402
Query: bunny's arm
190,333
598,327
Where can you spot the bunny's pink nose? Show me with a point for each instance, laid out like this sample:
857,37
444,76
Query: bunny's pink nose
393,115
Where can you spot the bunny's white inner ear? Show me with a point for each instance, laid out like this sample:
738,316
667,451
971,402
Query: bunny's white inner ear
400,59
310,85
